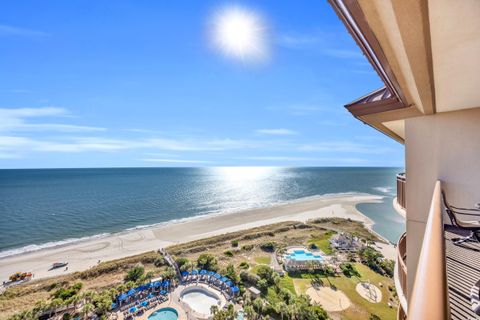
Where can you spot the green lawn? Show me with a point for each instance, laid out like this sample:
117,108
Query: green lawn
287,283
323,242
262,259
361,308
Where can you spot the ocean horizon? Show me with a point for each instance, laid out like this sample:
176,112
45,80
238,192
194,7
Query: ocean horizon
42,208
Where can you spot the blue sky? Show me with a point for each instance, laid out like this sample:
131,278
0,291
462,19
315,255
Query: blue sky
139,83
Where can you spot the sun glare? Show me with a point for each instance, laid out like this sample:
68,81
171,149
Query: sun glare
240,33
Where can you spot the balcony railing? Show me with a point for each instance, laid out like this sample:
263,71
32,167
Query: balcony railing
401,182
400,274
429,296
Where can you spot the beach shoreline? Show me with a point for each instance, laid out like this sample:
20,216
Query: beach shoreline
84,254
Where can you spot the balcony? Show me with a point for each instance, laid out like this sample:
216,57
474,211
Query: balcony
400,274
400,199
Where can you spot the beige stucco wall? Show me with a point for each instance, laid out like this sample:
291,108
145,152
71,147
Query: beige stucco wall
443,146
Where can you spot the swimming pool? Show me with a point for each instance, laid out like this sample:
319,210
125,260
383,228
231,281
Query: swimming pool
302,255
164,314
200,299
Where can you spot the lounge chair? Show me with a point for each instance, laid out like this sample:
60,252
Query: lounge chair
472,226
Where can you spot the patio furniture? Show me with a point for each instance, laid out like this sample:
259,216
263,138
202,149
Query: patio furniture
471,226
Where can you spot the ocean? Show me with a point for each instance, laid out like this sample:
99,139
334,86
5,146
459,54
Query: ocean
47,207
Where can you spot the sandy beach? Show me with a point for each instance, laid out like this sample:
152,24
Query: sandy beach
85,254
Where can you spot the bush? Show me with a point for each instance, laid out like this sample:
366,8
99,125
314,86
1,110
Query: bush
268,246
228,253
207,261
247,247
265,272
374,317
312,246
159,262
135,273
349,270
67,293
230,273
244,265
249,278
262,285
234,243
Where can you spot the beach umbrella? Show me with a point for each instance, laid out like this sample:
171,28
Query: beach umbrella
185,273
122,297
131,291
211,273
144,303
203,272
157,284
235,289
150,296
229,283
113,306
224,279
149,285
166,283
195,272
216,275
132,309
163,292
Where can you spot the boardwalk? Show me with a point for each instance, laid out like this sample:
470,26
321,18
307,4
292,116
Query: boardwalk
171,262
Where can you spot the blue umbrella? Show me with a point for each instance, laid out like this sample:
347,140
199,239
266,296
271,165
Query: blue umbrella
144,303
113,306
132,309
166,283
216,275
229,283
149,285
211,273
224,279
131,291
163,292
157,284
195,272
203,272
235,289
150,296
185,273
122,297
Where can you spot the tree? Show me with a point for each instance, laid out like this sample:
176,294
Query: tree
135,273
230,272
262,285
169,273
265,272
207,261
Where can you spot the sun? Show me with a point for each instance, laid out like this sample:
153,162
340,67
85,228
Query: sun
240,33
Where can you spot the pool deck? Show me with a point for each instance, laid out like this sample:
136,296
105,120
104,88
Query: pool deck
170,303
174,301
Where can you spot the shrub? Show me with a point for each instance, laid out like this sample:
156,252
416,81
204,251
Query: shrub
312,246
67,293
349,270
249,278
265,272
244,265
228,253
207,261
159,262
230,273
234,243
262,285
135,273
268,246
247,247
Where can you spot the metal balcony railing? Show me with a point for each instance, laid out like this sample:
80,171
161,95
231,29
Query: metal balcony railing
401,182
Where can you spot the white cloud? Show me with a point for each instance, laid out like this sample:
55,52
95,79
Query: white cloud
15,120
277,132
6,30
322,42
342,146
